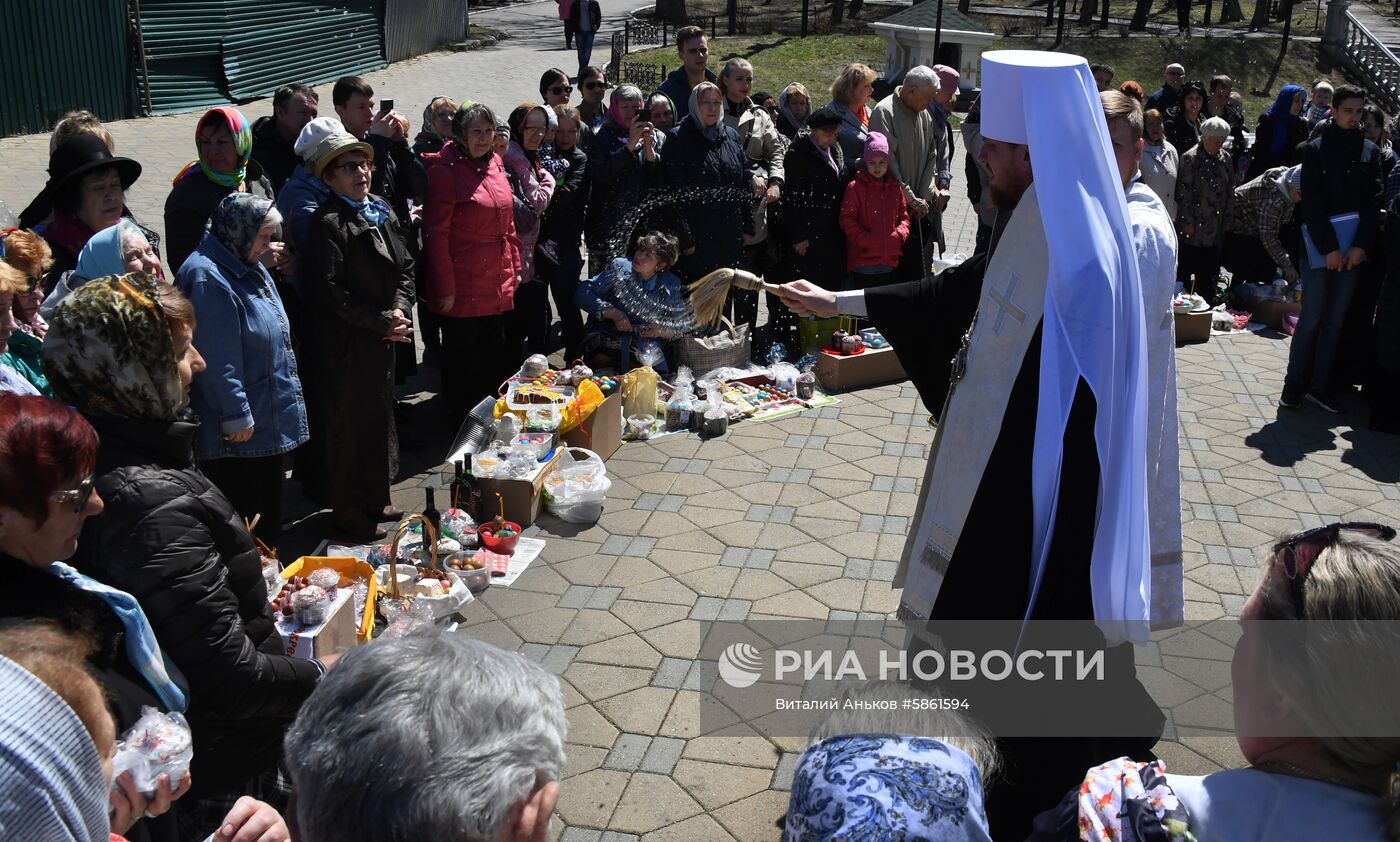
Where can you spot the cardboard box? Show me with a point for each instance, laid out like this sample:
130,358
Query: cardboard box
1271,313
1192,327
521,497
600,432
869,368
337,634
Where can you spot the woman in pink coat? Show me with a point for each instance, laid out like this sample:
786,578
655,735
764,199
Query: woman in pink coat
473,254
527,329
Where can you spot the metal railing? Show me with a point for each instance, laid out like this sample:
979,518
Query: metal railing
1368,58
645,34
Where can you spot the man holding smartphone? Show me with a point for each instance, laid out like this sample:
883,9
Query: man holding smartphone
398,175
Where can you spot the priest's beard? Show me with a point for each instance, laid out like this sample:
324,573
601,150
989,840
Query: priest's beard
1006,197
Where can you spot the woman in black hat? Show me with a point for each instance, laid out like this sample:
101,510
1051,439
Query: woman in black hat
86,193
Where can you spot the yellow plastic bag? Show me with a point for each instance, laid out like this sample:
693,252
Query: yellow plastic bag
587,397
349,567
639,392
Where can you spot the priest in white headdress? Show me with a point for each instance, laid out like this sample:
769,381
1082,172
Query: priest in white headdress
1034,360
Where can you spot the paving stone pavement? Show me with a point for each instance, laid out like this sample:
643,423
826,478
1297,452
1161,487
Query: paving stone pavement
805,518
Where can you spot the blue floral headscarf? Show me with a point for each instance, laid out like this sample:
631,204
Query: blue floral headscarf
881,786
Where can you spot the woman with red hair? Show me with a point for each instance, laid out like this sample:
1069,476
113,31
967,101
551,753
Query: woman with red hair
48,453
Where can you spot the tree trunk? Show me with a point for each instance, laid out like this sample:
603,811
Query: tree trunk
1103,15
1209,4
1230,12
1050,11
836,9
1088,12
1261,16
1283,46
806,15
964,6
1060,26
1139,21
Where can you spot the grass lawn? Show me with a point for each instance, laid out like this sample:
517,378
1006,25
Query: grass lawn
815,61
1309,16
781,59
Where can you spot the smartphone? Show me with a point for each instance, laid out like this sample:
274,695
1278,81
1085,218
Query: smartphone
385,106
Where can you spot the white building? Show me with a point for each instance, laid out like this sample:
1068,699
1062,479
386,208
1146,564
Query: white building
909,40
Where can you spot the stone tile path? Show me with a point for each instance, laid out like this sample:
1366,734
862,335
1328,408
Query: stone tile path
802,518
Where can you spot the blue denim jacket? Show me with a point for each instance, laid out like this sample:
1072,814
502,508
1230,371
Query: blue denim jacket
241,331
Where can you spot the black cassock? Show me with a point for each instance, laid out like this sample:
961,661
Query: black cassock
988,577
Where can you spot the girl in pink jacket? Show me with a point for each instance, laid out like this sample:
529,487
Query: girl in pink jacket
874,217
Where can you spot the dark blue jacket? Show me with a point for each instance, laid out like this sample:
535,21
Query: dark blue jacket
710,183
1341,174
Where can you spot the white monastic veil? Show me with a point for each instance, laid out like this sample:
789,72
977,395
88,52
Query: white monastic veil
1093,325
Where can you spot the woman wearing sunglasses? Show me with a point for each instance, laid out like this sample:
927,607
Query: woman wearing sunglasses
1314,685
48,453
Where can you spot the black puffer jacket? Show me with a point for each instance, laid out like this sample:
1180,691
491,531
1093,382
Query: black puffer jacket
171,539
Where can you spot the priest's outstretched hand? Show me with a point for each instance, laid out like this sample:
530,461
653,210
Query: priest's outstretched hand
807,299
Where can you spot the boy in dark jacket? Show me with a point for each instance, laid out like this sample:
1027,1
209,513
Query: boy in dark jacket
1341,176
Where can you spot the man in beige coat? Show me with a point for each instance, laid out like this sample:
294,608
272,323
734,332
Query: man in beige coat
918,155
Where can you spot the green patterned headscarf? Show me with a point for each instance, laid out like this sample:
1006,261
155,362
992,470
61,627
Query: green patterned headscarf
109,351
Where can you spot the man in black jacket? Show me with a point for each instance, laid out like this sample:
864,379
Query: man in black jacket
1342,193
1169,95
293,106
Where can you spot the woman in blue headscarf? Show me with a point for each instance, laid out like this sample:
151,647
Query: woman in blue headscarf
1279,133
112,251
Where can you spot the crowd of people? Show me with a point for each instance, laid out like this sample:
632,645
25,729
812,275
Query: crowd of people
1304,204
150,408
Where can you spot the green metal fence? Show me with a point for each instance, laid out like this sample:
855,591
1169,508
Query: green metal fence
200,53
60,55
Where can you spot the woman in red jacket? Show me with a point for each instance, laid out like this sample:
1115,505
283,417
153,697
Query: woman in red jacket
874,217
473,256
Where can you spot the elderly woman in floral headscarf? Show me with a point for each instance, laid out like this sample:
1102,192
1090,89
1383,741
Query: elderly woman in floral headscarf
120,349
437,126
871,773
224,141
249,400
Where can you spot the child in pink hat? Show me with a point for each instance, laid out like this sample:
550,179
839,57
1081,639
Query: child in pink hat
874,217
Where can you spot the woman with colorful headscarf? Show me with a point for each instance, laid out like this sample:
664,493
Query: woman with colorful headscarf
224,141
249,400
437,126
1280,131
121,350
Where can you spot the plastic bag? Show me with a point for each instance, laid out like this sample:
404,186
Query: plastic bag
577,488
158,744
639,387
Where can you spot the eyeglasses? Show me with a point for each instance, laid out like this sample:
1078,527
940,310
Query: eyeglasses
594,86
353,166
78,497
562,90
1299,552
